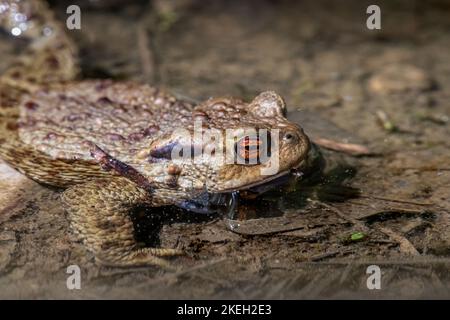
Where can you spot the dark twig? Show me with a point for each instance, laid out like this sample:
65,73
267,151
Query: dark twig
396,200
343,216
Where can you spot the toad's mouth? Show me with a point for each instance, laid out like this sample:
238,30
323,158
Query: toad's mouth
273,181
268,182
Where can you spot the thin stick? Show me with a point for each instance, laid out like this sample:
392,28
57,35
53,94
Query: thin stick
424,168
325,255
394,210
340,214
350,148
396,200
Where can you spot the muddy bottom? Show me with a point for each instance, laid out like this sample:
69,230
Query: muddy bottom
386,90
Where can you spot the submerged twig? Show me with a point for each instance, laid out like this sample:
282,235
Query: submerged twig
325,255
391,210
405,245
424,168
331,254
343,216
396,200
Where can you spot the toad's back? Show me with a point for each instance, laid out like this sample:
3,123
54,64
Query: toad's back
119,117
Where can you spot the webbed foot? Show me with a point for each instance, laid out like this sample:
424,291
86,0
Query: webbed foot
99,211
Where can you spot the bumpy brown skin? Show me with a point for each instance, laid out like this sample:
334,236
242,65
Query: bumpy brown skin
108,144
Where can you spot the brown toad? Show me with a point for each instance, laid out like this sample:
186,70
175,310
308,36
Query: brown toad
112,145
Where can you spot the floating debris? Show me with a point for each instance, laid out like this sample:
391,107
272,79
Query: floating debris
357,236
385,121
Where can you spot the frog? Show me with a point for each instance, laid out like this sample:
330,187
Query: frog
109,145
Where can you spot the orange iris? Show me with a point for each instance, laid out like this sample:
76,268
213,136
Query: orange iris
248,148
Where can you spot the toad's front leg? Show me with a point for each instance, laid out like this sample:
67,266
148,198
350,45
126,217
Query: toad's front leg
99,211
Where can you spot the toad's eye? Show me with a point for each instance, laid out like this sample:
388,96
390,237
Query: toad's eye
252,149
